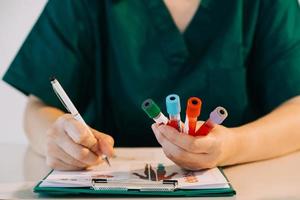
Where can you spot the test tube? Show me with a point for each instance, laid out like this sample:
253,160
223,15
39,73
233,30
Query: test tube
217,116
153,111
193,110
173,109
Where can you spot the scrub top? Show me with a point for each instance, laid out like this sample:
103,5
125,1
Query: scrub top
111,55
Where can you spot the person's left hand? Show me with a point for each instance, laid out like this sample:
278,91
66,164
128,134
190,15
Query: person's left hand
194,153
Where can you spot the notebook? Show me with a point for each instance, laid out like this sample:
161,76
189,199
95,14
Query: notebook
137,177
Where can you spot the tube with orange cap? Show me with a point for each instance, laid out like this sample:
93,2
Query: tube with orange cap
217,116
193,110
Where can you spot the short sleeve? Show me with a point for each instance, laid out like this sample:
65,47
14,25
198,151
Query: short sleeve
274,69
60,45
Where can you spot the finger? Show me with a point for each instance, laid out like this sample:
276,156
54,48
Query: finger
106,137
57,152
167,145
187,160
157,133
189,143
77,151
57,164
106,143
175,151
181,157
79,132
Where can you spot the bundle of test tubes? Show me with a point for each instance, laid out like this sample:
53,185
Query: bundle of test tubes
193,110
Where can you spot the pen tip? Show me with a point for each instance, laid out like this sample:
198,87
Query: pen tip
107,161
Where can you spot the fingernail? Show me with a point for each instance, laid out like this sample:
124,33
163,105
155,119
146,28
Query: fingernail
153,126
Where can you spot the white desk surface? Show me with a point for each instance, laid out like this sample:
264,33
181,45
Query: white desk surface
273,179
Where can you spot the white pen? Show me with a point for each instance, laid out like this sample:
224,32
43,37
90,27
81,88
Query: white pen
65,100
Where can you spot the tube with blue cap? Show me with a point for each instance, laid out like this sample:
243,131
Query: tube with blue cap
173,109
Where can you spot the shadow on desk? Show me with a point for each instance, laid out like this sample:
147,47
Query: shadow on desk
34,168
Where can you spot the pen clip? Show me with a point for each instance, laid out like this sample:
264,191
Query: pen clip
60,99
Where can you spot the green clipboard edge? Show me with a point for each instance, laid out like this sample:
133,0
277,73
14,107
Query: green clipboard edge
59,191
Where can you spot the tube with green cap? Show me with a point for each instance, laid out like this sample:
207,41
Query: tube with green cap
153,111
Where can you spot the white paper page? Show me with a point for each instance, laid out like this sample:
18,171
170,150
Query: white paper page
135,170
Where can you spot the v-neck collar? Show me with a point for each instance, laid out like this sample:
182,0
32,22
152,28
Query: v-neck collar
202,7
172,41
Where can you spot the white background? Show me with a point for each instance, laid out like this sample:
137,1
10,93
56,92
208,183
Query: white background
16,20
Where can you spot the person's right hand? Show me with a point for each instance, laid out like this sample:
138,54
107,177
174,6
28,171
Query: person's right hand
71,146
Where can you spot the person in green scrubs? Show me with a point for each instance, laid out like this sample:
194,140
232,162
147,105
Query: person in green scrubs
111,55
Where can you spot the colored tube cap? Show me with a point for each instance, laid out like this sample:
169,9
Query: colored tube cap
150,107
173,104
218,115
193,108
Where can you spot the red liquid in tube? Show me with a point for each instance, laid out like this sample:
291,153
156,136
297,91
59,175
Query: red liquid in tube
205,128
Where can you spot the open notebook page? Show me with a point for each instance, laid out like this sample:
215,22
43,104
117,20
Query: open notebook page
138,170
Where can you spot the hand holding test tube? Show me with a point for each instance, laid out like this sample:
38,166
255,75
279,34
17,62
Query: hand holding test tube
185,156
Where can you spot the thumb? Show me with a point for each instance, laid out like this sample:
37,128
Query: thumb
105,143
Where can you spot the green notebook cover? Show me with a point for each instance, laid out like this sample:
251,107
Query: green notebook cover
90,191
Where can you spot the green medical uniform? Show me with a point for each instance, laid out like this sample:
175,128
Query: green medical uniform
111,55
